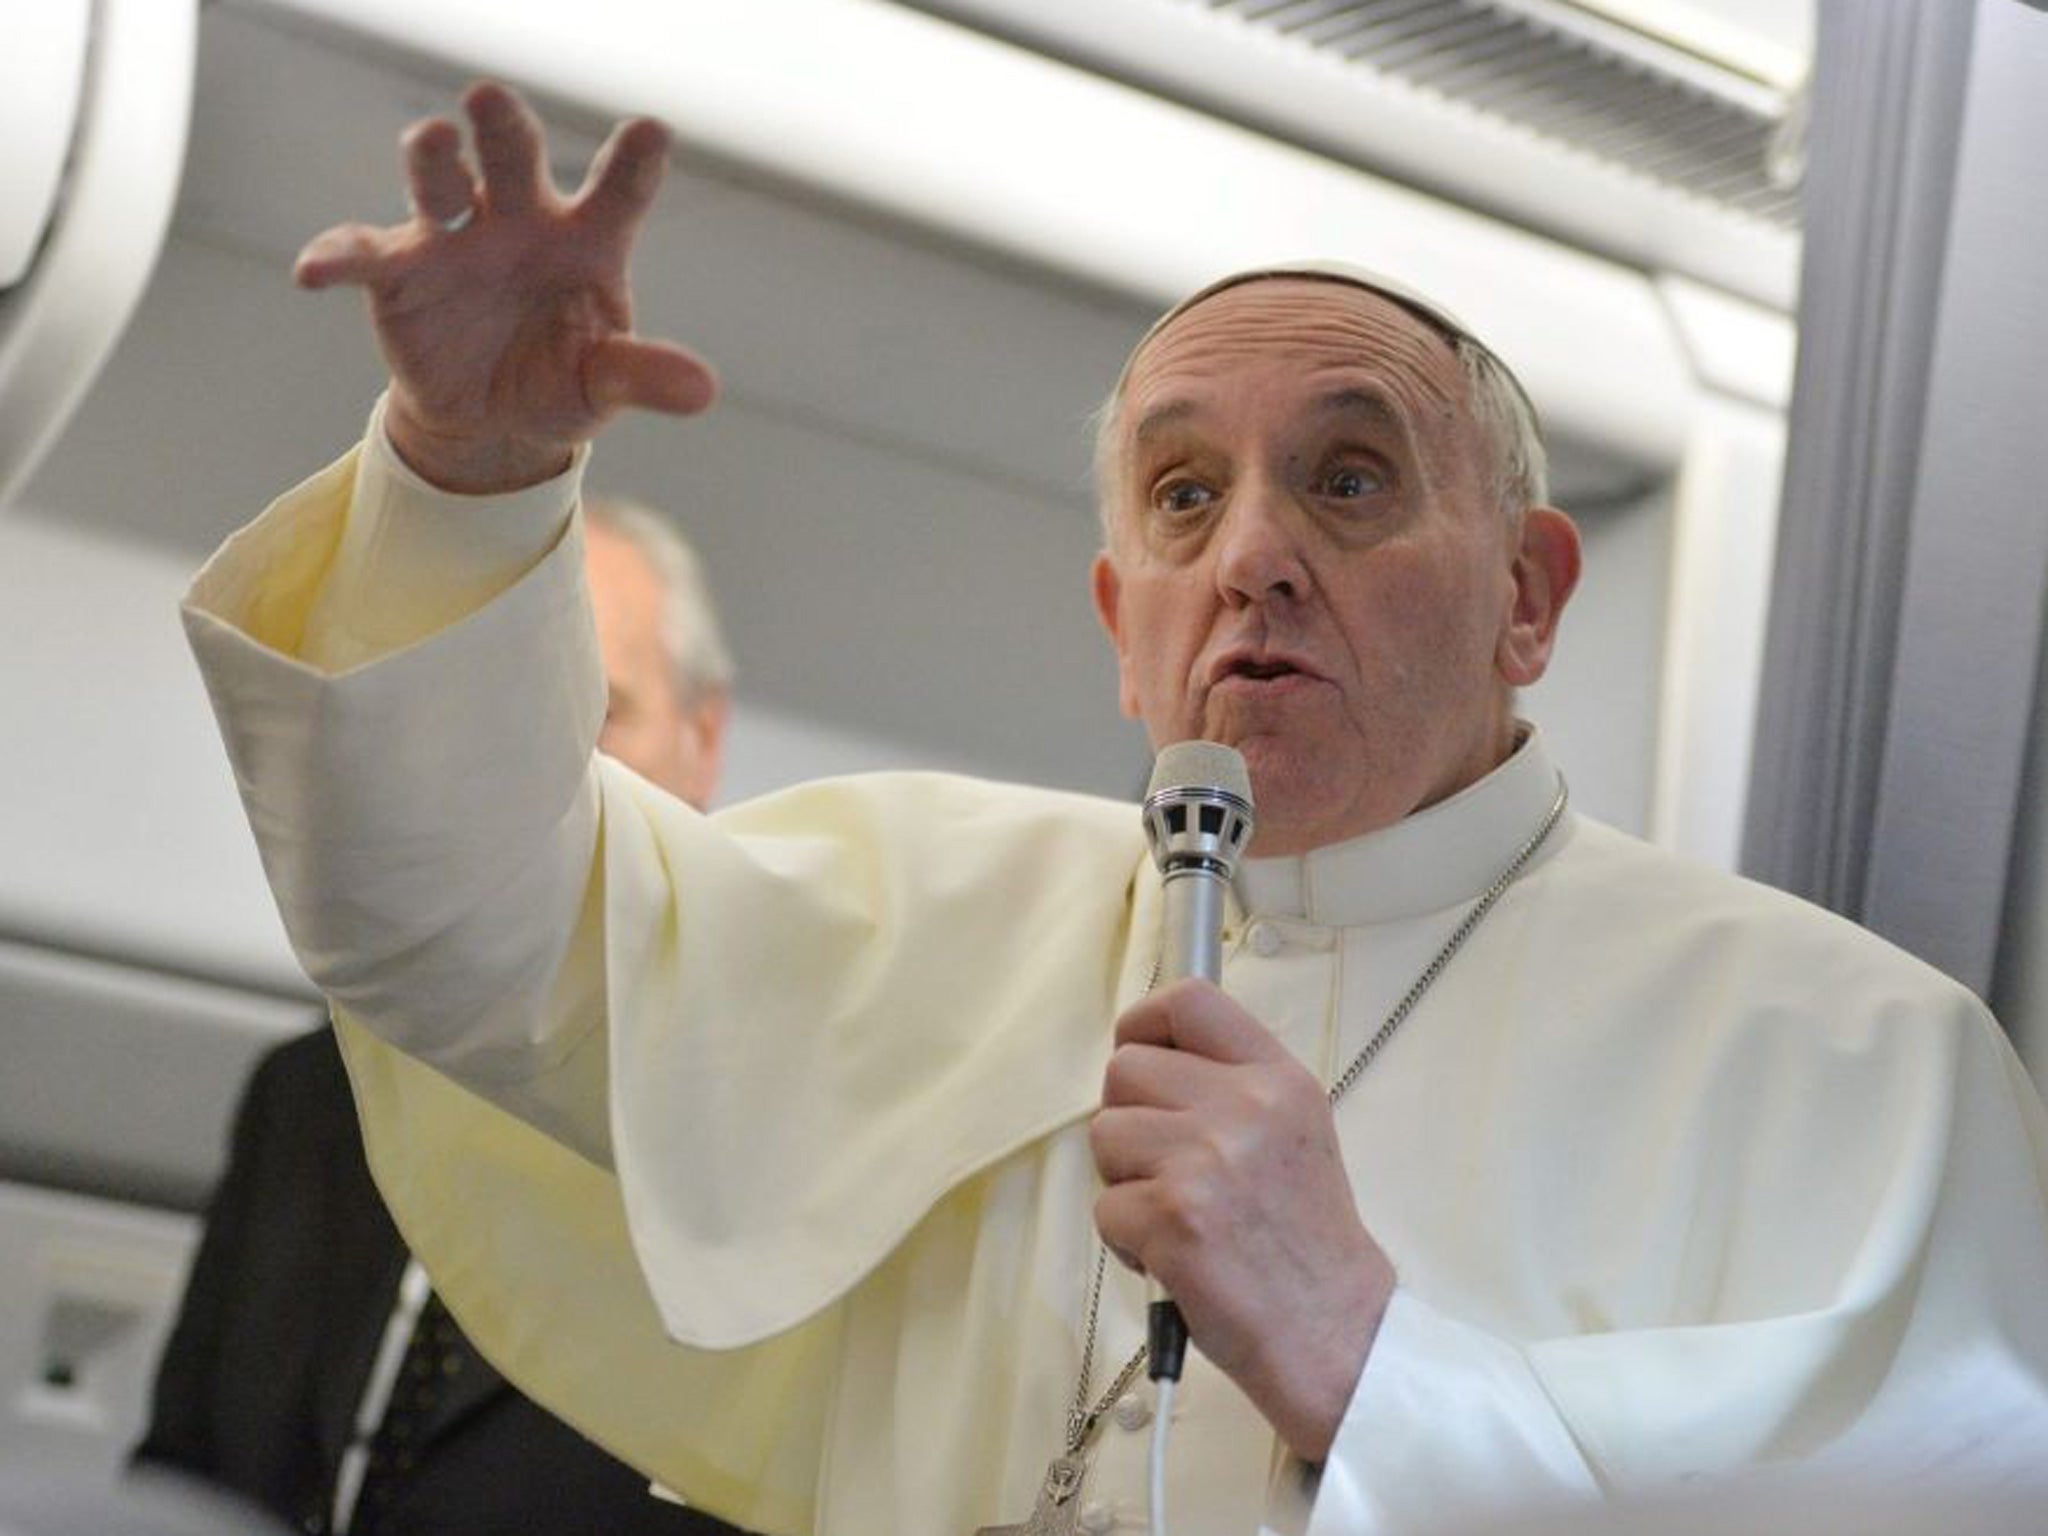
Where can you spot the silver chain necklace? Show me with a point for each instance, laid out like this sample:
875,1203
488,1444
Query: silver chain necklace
1063,1477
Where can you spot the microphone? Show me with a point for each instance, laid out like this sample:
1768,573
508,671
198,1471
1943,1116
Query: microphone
1198,818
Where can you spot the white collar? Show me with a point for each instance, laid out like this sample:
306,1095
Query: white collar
1436,858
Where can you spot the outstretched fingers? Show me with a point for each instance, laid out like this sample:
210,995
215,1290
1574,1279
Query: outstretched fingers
508,148
442,188
624,178
517,330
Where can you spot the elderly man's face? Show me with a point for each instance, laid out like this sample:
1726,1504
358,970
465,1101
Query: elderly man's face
666,740
1308,560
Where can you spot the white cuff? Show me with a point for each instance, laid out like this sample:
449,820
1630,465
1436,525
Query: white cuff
413,558
1448,1426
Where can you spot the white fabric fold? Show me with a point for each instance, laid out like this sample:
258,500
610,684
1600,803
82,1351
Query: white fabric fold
1448,1425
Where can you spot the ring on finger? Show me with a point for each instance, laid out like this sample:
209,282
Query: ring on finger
455,224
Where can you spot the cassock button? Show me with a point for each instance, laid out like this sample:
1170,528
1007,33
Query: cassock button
1132,1412
1266,940
1097,1518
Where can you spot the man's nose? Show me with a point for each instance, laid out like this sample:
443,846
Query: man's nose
1258,548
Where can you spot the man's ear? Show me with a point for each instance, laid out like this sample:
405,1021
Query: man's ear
1545,571
705,722
1107,586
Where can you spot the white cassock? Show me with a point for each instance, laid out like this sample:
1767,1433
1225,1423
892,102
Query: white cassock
760,1150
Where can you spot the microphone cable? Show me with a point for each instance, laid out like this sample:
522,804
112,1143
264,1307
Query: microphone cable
1155,1502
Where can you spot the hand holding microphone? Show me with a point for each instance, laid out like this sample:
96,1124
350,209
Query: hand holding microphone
1218,1149
1198,819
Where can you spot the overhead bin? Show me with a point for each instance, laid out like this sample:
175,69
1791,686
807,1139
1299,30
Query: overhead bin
1068,171
120,1077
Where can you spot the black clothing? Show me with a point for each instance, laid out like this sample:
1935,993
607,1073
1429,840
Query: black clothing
289,1295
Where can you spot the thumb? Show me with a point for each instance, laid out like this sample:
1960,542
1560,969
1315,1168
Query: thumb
347,253
652,375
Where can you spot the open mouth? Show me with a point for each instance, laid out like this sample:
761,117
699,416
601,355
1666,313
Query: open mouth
1263,671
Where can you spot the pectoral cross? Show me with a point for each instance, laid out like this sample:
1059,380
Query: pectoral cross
1059,1508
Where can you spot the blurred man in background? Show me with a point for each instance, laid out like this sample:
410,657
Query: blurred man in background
312,1370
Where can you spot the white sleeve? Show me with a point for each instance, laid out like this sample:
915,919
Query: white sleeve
377,652
1447,1425
1916,1356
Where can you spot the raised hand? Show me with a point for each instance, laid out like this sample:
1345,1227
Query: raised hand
1226,1182
502,307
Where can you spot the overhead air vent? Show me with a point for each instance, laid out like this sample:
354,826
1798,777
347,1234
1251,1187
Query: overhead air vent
1579,79
1662,134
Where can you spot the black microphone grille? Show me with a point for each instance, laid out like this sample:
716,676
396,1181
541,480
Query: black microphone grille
1198,808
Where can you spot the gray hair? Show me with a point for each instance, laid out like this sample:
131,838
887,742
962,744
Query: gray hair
699,662
1494,397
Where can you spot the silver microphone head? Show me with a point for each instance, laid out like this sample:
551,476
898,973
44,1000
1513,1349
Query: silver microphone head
1198,808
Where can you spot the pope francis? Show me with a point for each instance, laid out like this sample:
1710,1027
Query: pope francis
780,1150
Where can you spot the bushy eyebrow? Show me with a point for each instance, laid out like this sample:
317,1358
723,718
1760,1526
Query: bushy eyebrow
1368,403
1155,421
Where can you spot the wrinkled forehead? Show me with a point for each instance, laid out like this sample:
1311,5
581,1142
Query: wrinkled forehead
1426,309
1433,317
